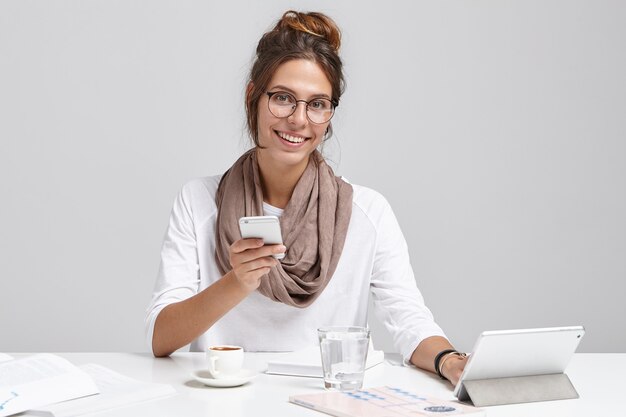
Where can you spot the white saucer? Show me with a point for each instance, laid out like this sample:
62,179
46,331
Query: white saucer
245,375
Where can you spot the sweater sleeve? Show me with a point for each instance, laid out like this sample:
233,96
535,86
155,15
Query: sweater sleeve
178,276
398,303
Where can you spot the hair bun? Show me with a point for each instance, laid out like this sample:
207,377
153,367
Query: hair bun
313,23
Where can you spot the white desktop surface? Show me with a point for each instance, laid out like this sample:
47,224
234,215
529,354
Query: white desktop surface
598,378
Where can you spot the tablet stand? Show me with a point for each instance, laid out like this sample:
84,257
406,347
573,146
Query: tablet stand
520,389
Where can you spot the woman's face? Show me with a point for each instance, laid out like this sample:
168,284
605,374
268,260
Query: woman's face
289,141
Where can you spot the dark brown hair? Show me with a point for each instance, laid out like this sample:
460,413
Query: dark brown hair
311,36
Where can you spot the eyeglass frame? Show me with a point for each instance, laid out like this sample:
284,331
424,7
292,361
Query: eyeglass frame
295,107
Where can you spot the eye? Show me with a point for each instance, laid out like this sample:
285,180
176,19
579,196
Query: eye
283,98
319,104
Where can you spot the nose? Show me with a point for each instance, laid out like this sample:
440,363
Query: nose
299,117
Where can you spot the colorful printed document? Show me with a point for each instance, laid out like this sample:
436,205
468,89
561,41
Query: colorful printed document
382,402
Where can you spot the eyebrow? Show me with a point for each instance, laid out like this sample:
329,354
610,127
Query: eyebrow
289,90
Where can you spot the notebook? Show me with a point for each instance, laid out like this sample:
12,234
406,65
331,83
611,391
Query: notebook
308,362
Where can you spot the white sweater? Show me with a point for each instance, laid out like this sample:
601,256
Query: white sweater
375,259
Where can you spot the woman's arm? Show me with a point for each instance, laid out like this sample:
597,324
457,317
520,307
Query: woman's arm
399,303
426,352
180,323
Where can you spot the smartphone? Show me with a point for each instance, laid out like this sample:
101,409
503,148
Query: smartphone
264,227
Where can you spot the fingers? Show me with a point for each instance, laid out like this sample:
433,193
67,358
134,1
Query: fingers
249,274
259,263
242,245
246,250
251,260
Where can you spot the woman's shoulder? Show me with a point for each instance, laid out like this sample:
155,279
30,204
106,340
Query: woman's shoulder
199,194
202,186
369,201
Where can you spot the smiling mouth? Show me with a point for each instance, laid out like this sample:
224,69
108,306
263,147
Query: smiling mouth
291,138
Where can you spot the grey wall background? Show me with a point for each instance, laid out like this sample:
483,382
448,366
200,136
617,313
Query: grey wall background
496,129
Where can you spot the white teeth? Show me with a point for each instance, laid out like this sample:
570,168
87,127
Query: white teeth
292,139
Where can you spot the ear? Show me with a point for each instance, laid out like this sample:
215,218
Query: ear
328,130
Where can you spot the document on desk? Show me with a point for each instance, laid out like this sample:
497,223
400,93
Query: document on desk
39,380
4,357
382,402
116,390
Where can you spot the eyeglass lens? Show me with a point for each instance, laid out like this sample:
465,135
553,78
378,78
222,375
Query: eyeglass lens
318,110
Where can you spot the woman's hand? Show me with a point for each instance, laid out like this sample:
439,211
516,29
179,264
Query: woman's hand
251,260
453,367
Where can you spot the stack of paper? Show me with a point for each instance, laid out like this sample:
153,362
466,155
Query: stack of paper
308,362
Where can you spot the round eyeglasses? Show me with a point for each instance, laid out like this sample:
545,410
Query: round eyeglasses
318,110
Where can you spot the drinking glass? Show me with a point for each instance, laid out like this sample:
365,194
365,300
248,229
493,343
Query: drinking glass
343,351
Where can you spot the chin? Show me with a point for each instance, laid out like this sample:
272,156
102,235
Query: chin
286,158
291,158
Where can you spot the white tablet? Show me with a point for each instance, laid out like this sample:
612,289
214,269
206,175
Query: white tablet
510,353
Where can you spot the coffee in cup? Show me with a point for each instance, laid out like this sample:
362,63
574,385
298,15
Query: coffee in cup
224,361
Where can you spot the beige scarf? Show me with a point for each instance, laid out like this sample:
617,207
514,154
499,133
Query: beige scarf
314,226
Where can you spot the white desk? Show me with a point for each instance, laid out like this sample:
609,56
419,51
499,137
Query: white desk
598,378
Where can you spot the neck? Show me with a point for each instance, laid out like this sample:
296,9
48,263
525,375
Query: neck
278,181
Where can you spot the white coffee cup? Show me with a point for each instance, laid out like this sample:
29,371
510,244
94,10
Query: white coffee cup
224,361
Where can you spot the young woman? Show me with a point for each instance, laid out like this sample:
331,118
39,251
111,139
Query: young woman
341,241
